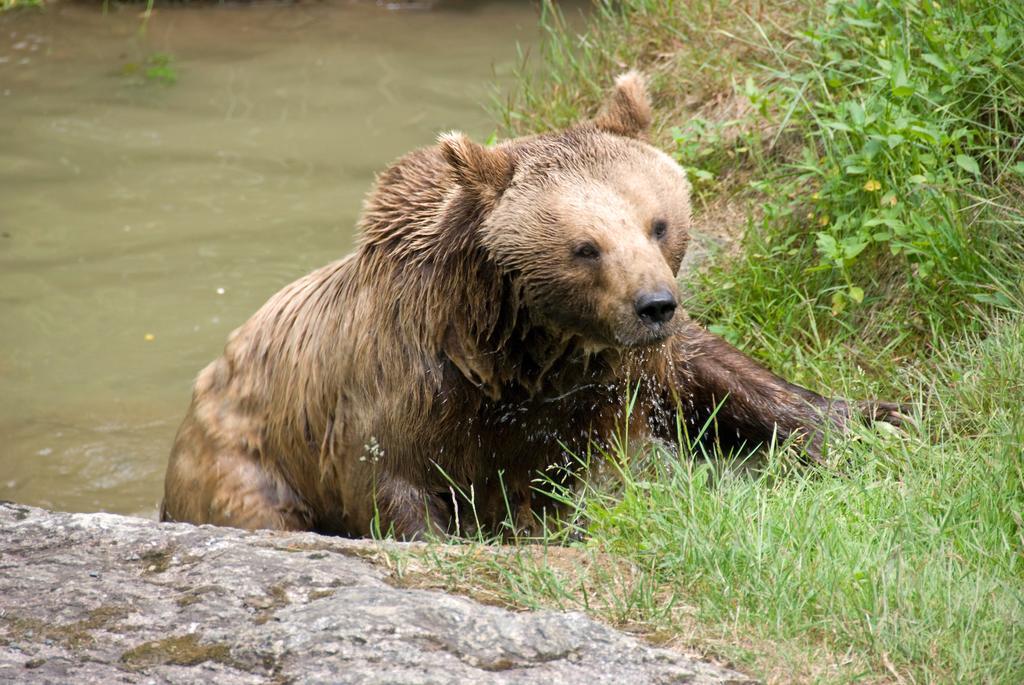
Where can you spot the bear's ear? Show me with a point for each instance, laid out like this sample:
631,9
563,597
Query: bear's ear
627,112
483,171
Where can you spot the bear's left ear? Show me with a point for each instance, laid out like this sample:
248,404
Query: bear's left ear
627,112
485,172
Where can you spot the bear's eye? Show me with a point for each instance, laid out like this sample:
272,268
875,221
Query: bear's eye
587,250
659,228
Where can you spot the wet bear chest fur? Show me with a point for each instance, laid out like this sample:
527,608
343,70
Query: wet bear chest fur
477,440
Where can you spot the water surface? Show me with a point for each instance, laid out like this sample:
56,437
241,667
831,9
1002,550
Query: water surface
141,222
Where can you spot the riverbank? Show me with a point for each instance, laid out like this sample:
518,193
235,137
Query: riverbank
859,170
98,598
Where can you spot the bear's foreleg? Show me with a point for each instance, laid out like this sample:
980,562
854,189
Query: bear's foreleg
408,511
753,404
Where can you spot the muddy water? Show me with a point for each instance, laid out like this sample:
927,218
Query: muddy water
140,222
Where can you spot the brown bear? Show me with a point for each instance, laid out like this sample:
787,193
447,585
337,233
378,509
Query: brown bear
504,306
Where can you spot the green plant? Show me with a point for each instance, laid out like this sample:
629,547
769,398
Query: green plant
6,5
911,118
160,68
698,144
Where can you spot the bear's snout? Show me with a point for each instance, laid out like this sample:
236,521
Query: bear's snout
655,307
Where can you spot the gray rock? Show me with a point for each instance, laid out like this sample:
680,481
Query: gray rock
97,598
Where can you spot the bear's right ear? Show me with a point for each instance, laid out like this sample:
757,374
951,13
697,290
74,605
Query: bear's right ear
627,112
486,172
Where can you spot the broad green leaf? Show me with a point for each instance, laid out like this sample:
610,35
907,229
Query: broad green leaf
892,223
968,164
838,302
996,298
863,23
828,246
935,61
838,126
901,86
853,247
925,133
856,112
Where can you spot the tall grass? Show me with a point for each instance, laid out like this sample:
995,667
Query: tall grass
689,50
909,552
878,156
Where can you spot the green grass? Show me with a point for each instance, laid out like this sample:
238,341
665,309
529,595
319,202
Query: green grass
6,5
878,157
907,550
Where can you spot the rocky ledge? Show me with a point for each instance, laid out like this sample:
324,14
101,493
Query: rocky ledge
97,598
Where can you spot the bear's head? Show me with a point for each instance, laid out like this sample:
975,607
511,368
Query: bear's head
591,222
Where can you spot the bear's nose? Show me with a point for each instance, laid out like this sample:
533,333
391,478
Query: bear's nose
655,307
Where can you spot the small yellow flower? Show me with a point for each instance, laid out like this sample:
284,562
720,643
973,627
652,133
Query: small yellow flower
872,185
810,215
149,337
823,220
815,197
